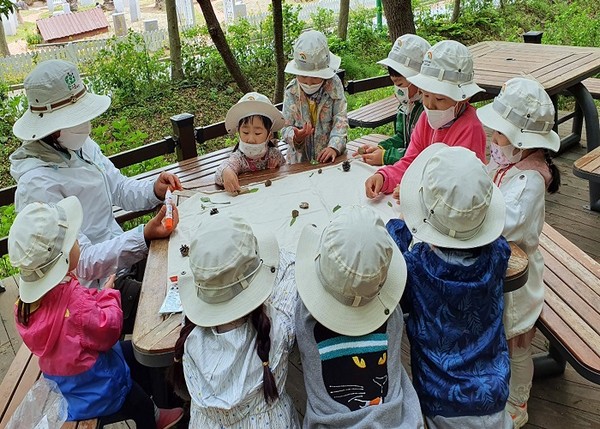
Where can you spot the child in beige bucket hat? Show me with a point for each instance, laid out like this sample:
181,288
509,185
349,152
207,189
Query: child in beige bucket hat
446,81
239,301
314,103
522,119
454,290
74,330
350,277
255,119
403,61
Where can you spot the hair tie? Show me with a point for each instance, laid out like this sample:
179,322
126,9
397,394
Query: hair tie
266,363
176,360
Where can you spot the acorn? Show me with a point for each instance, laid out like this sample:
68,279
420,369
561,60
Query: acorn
319,170
295,213
268,182
361,150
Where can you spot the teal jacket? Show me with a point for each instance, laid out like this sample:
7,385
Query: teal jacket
395,146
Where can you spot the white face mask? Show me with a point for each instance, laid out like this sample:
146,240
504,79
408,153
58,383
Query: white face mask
401,93
438,118
310,89
73,138
504,155
253,150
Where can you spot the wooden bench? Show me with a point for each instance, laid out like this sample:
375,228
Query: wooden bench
570,318
588,167
24,371
593,86
375,114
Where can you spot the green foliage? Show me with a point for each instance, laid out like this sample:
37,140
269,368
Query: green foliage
577,23
324,21
33,39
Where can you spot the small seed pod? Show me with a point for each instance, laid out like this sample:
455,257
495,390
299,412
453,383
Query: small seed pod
319,170
268,182
303,205
184,249
214,211
346,166
295,213
361,150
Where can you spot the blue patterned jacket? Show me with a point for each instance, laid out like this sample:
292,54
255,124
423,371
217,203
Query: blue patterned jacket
459,356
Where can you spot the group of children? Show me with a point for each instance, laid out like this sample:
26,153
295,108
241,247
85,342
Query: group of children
338,296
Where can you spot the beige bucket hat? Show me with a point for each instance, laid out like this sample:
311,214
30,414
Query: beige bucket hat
449,200
252,104
57,99
233,270
524,113
312,57
39,243
406,56
448,70
350,274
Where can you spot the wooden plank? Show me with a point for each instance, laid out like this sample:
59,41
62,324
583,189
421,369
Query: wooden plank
576,253
29,376
593,86
12,379
87,424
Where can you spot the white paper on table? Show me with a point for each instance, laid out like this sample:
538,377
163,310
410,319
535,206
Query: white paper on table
270,208
172,301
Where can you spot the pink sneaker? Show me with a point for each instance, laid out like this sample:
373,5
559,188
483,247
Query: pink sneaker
167,418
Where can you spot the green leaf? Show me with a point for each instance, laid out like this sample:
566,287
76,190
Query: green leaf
292,221
336,208
390,203
205,199
253,190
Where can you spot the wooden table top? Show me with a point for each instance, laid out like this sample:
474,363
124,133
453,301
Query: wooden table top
555,67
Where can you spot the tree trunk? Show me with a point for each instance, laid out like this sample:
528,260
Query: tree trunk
279,56
218,38
399,16
4,52
455,11
174,41
343,19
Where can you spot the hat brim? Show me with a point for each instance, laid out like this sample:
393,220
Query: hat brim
455,92
331,313
34,126
207,315
415,212
400,68
326,73
519,139
32,291
244,109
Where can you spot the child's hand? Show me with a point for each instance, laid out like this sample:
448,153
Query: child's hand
230,181
273,163
373,185
396,194
301,133
110,282
327,155
155,229
373,155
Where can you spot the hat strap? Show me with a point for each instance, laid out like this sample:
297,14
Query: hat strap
233,289
34,274
432,220
405,60
447,75
351,301
526,124
55,106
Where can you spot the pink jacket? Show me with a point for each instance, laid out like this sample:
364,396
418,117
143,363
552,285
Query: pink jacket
72,326
466,131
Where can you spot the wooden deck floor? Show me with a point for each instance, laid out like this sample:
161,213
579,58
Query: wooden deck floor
565,401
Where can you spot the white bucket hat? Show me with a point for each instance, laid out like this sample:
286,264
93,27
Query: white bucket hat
524,113
406,56
252,104
448,70
233,269
449,200
350,275
312,57
39,243
57,99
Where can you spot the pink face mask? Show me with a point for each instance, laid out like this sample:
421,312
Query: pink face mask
503,155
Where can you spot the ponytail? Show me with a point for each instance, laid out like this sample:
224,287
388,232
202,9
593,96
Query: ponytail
23,312
554,171
262,324
175,373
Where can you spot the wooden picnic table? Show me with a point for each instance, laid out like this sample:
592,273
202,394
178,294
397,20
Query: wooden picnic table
588,167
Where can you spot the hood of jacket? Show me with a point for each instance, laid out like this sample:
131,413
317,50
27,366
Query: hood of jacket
35,154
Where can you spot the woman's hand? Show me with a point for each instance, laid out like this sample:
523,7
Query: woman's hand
166,181
155,229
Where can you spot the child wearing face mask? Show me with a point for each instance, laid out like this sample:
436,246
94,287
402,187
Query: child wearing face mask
314,104
522,117
75,330
403,61
255,118
446,81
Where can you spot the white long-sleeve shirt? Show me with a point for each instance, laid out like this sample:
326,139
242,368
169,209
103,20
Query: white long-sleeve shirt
49,175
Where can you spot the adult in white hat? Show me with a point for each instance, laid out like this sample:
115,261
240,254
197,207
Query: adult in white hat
350,277
239,301
75,331
403,61
522,117
446,81
59,159
454,291
255,119
314,103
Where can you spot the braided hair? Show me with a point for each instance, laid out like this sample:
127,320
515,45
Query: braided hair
554,171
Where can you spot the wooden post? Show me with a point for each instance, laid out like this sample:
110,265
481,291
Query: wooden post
533,37
184,136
